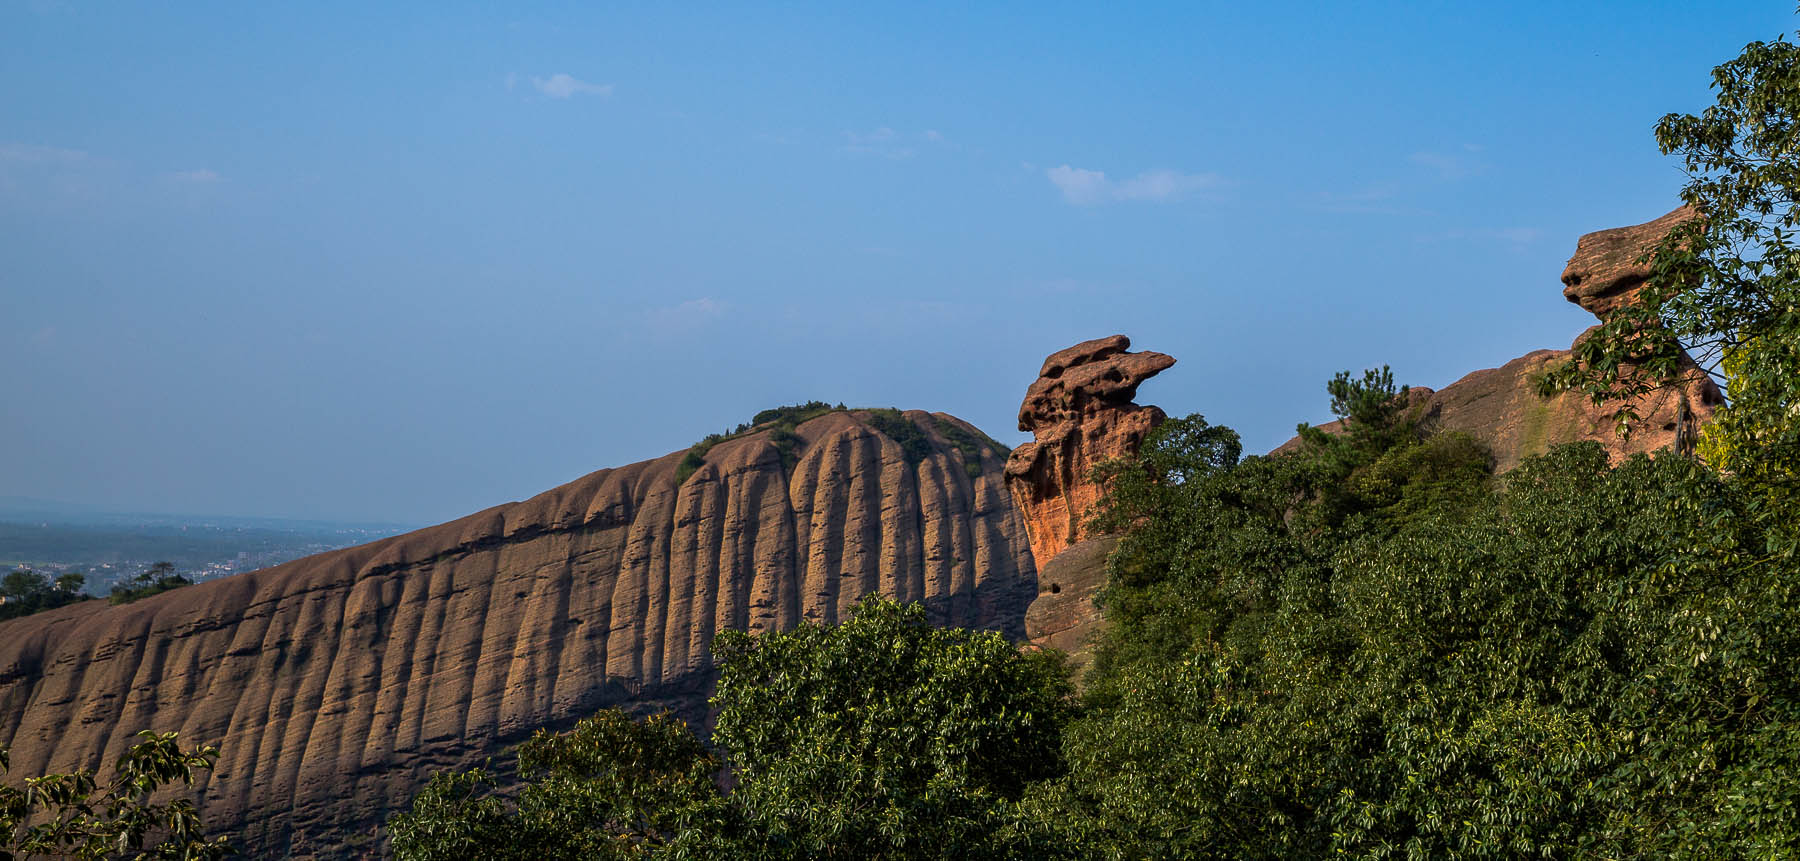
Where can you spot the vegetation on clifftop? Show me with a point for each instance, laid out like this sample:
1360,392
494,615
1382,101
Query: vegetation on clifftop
159,578
24,591
781,422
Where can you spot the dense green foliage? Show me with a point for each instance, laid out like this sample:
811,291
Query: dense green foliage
882,737
24,591
1727,285
886,738
791,415
76,816
159,578
915,444
611,787
1374,649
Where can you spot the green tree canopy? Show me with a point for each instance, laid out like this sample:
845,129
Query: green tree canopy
1373,648
611,787
157,579
885,737
882,737
24,591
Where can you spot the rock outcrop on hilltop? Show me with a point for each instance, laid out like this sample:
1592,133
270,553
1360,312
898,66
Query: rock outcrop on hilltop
1080,413
1501,407
1610,267
335,685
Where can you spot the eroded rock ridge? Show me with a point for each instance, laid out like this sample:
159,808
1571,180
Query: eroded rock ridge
335,685
1080,411
1501,407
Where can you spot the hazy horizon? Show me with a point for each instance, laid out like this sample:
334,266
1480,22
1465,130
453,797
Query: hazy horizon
401,264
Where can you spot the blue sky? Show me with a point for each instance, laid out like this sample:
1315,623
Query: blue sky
405,263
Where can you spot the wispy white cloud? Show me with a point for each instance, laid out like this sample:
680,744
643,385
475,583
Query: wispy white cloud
684,316
1507,235
53,176
883,142
888,143
200,176
1451,166
1083,187
1379,200
563,85
1518,235
18,153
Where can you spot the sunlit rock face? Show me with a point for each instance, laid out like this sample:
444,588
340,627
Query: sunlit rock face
1080,412
1610,267
1500,406
336,684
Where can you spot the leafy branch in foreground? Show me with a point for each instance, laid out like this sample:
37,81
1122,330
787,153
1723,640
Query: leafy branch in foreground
1724,287
75,815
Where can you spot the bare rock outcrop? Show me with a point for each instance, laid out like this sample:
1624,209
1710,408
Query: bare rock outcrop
1080,413
1064,615
1501,407
336,684
1609,267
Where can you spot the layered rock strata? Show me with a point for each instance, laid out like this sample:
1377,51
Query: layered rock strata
335,685
1080,413
1610,267
1501,407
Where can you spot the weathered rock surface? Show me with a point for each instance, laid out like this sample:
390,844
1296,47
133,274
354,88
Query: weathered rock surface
1064,615
335,685
1607,271
1080,413
1500,406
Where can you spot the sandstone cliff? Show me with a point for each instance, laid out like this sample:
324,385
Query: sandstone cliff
334,685
1500,406
1080,412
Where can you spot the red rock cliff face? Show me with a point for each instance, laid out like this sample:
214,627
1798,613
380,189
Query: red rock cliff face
1080,413
335,685
1500,406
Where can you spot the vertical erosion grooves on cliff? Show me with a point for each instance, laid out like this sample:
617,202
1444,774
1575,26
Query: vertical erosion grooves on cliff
334,685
